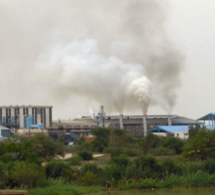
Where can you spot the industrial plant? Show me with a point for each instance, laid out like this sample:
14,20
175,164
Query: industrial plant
28,120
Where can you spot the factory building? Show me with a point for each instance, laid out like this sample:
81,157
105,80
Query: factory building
133,124
17,116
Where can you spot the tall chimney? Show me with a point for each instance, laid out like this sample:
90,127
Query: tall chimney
121,121
144,125
169,121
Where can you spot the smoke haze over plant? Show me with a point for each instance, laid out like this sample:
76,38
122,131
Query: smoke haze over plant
75,54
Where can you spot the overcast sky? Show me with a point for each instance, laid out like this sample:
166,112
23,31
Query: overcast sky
162,52
191,26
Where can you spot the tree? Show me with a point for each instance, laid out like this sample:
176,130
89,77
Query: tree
118,137
193,130
200,147
102,136
174,143
150,142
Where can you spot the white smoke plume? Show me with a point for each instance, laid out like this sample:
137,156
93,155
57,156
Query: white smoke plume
73,53
82,70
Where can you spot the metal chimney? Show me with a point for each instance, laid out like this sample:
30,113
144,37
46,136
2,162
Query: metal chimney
169,121
121,121
144,125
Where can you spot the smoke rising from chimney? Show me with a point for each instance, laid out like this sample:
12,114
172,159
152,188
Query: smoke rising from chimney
113,52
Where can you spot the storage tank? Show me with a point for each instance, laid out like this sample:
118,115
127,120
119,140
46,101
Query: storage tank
29,122
40,126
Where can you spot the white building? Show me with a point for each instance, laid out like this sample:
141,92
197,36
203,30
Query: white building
16,116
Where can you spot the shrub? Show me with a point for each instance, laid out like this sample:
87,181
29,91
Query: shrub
69,175
162,151
85,155
121,160
169,166
3,175
53,169
9,157
113,151
90,167
90,179
74,160
23,174
131,152
146,167
208,166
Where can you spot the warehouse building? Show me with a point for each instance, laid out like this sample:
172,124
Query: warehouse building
16,116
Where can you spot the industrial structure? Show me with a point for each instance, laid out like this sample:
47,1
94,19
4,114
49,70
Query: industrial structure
19,117
135,125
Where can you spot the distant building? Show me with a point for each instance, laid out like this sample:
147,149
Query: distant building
133,124
5,132
16,116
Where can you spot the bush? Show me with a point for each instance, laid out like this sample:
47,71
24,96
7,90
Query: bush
90,179
3,175
85,155
27,175
113,151
162,151
146,167
74,160
208,166
131,152
169,166
53,169
70,175
121,160
90,167
9,157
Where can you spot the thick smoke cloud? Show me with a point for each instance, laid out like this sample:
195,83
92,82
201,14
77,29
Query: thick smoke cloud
109,52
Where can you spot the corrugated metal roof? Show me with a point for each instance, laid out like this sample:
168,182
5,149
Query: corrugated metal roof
175,128
208,117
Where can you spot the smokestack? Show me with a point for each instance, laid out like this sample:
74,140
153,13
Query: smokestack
169,121
144,125
121,121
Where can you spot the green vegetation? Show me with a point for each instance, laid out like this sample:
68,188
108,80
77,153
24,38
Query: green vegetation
158,162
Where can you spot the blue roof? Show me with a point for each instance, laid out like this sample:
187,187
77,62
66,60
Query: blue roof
208,117
176,128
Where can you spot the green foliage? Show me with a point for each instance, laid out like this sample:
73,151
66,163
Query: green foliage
54,168
200,147
85,154
150,142
9,157
30,149
162,151
118,138
121,160
194,129
91,167
82,144
113,151
131,151
3,175
208,166
174,143
168,167
146,167
23,174
102,136
90,179
44,146
74,160
70,175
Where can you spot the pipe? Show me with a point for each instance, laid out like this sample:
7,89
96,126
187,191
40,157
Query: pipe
144,125
121,121
169,121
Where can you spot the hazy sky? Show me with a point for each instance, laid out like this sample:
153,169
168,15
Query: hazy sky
79,54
